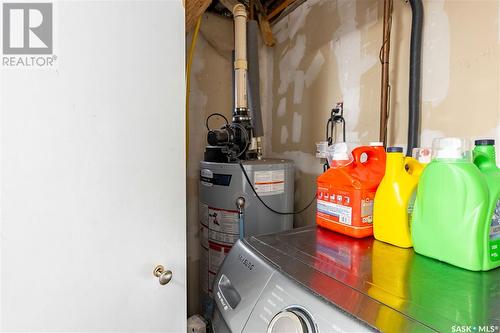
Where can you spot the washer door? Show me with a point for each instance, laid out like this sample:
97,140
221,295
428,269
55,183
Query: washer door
292,320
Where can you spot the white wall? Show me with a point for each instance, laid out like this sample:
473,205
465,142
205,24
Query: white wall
92,174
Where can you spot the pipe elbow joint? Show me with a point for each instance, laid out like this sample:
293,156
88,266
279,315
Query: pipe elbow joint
239,10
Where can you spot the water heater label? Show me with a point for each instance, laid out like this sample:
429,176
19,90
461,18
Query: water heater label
269,182
219,230
223,225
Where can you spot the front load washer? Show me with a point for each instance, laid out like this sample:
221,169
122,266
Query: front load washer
314,280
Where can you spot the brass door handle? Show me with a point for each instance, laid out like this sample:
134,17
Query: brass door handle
163,275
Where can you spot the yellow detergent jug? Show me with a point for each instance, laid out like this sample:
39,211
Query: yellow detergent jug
394,199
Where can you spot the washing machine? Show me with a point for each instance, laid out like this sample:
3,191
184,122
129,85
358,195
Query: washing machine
314,280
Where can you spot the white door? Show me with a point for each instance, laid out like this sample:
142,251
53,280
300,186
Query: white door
92,192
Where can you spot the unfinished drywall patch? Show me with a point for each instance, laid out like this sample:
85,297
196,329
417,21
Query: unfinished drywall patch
289,63
308,82
297,127
435,54
314,68
352,63
298,90
297,19
280,112
284,134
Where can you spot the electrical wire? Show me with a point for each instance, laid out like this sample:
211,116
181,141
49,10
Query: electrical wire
265,205
387,40
188,79
388,35
247,139
215,114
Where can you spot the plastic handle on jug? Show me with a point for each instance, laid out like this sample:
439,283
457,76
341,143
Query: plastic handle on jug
415,168
370,152
484,161
357,153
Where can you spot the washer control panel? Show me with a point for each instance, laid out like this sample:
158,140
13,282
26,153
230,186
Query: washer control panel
286,306
238,285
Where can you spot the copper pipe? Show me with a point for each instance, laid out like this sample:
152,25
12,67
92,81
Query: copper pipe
384,59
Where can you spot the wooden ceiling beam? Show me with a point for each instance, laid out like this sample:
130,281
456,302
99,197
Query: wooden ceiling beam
194,9
279,9
265,26
229,4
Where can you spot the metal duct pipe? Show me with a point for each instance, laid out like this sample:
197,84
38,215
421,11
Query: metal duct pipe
253,78
240,62
415,75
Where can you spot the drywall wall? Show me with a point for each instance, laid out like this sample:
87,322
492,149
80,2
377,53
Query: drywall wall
211,91
328,51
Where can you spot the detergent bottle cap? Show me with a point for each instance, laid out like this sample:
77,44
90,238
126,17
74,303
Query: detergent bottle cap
449,148
394,149
484,142
339,153
423,155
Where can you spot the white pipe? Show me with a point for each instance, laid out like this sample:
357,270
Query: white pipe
240,62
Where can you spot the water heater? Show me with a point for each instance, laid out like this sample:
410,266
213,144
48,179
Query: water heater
241,193
222,185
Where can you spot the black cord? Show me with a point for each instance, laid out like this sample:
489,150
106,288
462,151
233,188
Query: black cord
328,135
265,205
215,114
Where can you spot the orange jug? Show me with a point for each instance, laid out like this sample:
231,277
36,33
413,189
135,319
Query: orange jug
346,192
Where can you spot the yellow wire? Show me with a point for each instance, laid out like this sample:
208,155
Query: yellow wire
188,79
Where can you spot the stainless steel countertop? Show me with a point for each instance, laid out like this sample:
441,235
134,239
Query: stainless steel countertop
390,288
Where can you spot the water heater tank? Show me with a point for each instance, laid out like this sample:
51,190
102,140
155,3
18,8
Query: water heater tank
221,184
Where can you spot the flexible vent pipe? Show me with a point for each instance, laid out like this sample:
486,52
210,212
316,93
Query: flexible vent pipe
253,78
415,71
240,62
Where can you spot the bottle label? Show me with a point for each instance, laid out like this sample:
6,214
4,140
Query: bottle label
338,206
411,204
495,234
335,205
367,210
340,213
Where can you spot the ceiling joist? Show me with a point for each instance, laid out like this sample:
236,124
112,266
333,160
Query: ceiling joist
194,9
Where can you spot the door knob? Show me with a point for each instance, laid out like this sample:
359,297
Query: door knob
163,275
